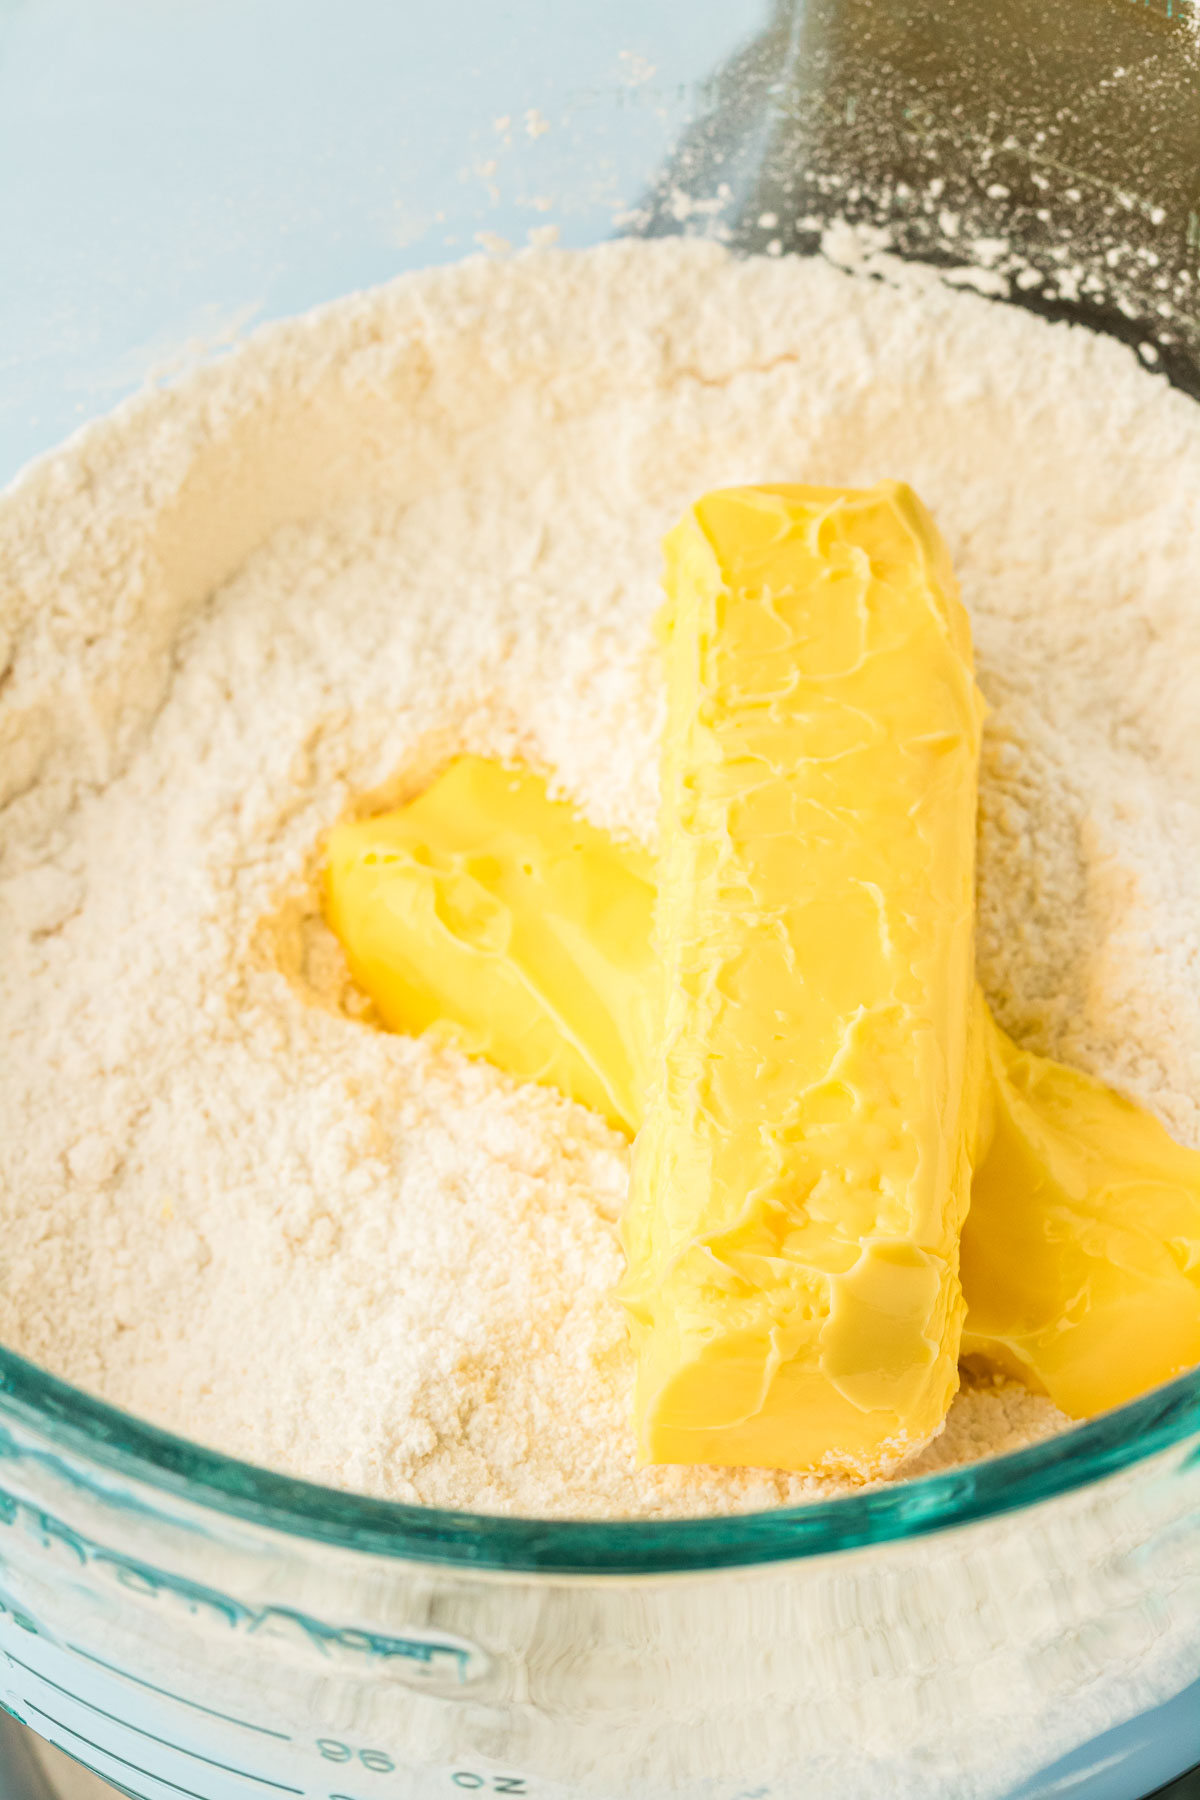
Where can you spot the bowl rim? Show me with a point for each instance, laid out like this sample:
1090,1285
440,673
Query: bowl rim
87,1438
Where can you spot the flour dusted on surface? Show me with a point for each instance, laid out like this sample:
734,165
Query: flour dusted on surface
427,519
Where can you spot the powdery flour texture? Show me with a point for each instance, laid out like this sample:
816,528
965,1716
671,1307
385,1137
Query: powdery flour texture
427,519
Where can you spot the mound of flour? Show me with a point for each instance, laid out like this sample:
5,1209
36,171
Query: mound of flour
427,519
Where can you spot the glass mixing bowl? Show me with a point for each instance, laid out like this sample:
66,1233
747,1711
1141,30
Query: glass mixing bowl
184,1624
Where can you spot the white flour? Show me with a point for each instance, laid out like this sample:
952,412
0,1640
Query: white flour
424,519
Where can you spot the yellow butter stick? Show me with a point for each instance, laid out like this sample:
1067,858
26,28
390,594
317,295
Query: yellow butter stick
1081,1250
801,1178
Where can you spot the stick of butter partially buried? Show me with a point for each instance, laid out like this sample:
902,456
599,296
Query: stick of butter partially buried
1081,1250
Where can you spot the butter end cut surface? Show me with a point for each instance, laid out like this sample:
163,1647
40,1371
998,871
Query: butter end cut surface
500,919
801,1178
1081,1253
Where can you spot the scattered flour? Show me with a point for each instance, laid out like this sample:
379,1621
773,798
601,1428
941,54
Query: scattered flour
426,519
